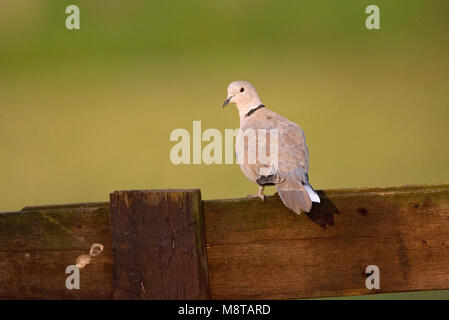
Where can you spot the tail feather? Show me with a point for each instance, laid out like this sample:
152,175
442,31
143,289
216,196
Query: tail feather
297,200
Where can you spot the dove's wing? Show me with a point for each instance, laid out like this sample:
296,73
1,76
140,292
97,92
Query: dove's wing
293,156
293,166
293,152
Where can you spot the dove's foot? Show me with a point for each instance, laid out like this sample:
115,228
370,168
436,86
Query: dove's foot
259,195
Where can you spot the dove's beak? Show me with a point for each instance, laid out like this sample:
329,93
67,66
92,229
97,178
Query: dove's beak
227,101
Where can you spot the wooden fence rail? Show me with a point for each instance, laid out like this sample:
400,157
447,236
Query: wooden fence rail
169,244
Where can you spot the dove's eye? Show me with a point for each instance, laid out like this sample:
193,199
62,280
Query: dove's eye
242,89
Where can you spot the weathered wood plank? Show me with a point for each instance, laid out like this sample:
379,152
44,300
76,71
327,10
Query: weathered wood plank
255,249
159,246
264,251
36,246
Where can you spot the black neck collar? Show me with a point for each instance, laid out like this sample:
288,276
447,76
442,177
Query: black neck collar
250,112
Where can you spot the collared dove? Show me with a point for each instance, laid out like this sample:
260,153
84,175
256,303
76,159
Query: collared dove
290,174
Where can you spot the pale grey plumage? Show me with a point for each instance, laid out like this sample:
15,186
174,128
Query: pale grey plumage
291,175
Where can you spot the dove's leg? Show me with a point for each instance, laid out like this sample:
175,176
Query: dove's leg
259,195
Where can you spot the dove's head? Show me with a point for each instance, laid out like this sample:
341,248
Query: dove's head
243,94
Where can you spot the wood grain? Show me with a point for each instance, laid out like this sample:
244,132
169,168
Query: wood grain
37,244
159,246
264,251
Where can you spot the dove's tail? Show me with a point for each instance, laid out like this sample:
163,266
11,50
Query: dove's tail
298,198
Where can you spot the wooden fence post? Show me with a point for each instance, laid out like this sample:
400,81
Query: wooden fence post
159,245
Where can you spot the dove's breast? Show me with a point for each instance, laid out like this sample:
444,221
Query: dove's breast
242,151
251,147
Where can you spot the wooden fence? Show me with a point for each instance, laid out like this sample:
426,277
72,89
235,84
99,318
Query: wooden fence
169,244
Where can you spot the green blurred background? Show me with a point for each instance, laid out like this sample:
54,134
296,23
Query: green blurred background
86,112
